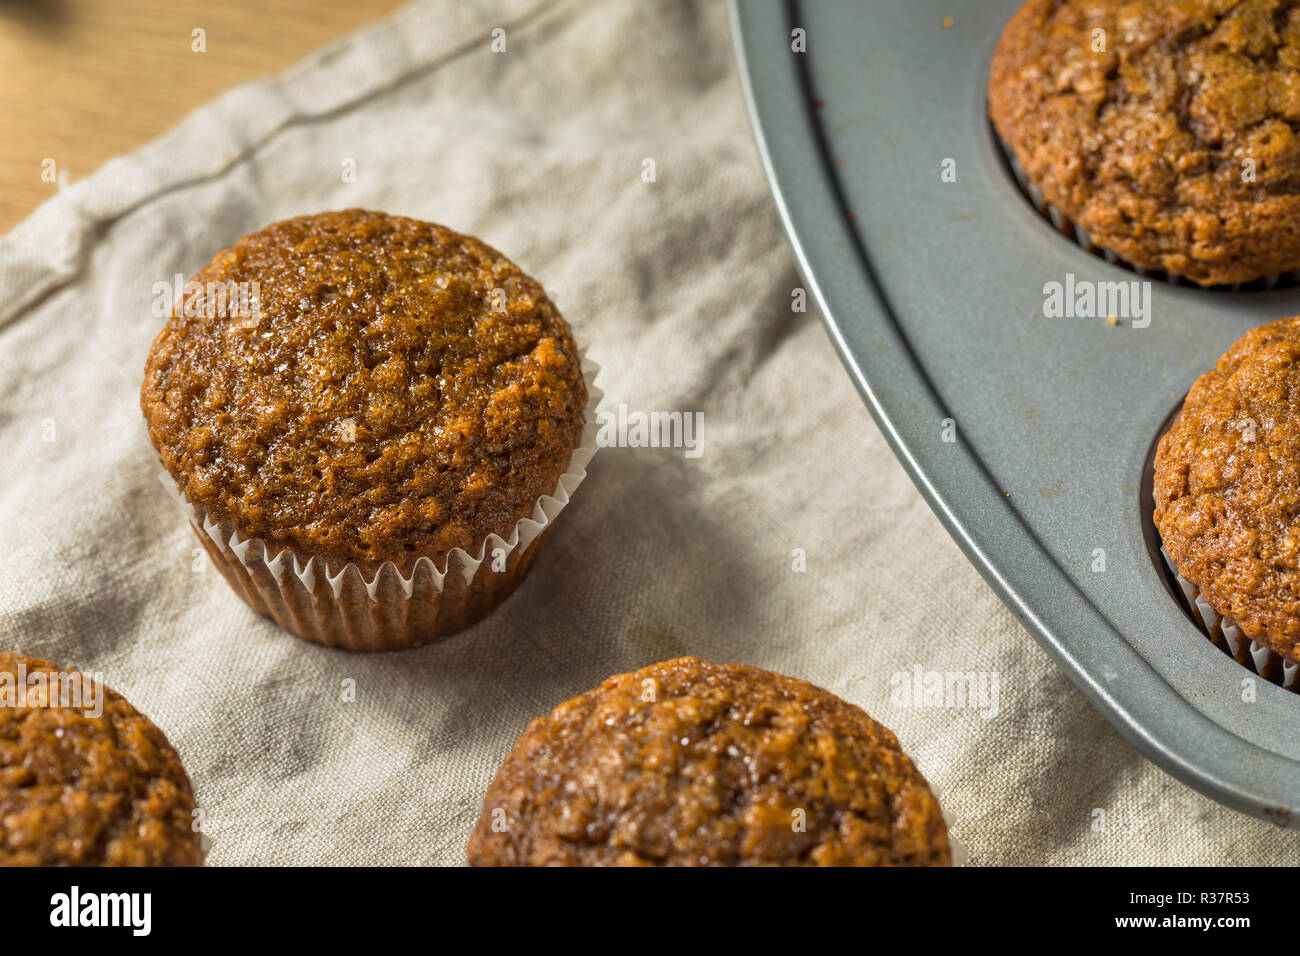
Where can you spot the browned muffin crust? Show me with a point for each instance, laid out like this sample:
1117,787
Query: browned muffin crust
77,790
692,763
1227,486
1143,145
407,390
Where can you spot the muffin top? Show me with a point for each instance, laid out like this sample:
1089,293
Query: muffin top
381,389
1175,144
84,790
1227,486
693,763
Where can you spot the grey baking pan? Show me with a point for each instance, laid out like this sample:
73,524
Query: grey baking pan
932,288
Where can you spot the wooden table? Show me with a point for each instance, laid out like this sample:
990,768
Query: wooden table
84,80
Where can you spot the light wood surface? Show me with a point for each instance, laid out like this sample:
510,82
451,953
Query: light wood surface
84,80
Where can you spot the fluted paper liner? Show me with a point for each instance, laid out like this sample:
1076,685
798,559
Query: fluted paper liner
1224,632
960,852
339,607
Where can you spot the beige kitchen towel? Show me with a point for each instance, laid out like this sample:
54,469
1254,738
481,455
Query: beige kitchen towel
605,148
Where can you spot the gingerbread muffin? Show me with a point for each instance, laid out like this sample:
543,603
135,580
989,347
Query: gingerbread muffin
1227,488
373,419
1165,130
94,783
689,763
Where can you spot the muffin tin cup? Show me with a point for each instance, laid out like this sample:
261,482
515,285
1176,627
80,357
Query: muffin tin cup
1077,234
1226,635
339,607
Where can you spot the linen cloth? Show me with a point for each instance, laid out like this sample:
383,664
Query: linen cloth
681,288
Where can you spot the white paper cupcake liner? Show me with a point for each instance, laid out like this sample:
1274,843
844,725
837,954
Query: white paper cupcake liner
960,853
1228,637
1076,233
340,607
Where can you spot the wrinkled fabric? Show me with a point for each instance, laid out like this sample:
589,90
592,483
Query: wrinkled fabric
794,541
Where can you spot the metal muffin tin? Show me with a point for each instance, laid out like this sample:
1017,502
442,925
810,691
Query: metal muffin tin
933,294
